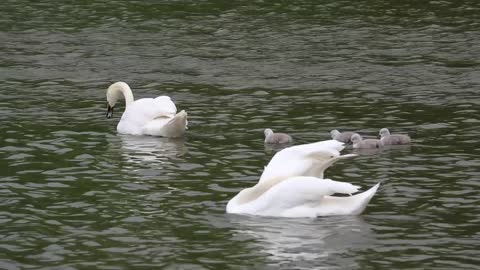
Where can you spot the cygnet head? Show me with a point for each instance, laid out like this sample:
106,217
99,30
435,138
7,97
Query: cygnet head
334,133
384,132
268,132
356,138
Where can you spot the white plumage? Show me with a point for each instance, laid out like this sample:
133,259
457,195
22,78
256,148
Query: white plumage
146,116
292,186
304,160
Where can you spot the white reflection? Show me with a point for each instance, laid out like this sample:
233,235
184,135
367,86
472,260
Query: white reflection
141,149
306,241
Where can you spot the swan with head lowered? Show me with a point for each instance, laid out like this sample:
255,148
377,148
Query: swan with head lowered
292,185
147,116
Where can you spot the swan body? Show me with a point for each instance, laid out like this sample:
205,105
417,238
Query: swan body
393,139
276,138
292,185
360,143
146,116
344,137
302,196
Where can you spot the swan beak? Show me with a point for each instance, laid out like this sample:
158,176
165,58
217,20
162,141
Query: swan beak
109,111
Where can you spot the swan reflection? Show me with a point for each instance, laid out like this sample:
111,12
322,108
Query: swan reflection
305,241
141,149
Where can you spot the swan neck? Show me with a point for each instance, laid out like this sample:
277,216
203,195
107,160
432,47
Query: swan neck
114,91
128,95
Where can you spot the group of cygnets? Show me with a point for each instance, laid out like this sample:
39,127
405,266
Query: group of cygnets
347,137
358,142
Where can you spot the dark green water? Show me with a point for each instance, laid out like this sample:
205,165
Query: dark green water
75,195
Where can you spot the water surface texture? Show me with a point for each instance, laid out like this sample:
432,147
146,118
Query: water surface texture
76,195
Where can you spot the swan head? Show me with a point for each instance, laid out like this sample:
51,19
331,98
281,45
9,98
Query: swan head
109,110
114,92
384,132
334,133
356,138
268,132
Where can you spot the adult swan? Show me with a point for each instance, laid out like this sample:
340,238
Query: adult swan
292,185
147,116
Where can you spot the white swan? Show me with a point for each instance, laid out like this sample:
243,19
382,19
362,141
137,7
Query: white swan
146,116
292,186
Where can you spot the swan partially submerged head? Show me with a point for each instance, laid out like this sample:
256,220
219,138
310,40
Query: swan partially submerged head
109,110
114,92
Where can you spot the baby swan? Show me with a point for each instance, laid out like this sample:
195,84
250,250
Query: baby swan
276,138
146,116
344,137
358,142
393,139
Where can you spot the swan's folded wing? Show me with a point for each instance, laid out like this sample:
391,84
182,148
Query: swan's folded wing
172,127
147,109
303,160
299,194
163,106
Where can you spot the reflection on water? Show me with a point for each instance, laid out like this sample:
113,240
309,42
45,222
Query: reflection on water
273,148
76,195
140,149
305,242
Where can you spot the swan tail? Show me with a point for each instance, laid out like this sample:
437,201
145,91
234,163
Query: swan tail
351,205
364,198
172,127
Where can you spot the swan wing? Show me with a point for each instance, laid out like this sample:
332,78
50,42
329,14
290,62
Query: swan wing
350,205
164,106
304,160
167,126
147,109
144,110
296,197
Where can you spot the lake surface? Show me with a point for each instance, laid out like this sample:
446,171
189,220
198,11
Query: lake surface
76,195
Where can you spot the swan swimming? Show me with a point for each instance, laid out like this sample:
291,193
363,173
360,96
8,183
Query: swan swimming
344,137
147,116
276,138
359,142
292,185
393,139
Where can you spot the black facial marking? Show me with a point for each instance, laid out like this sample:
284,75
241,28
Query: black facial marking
109,111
